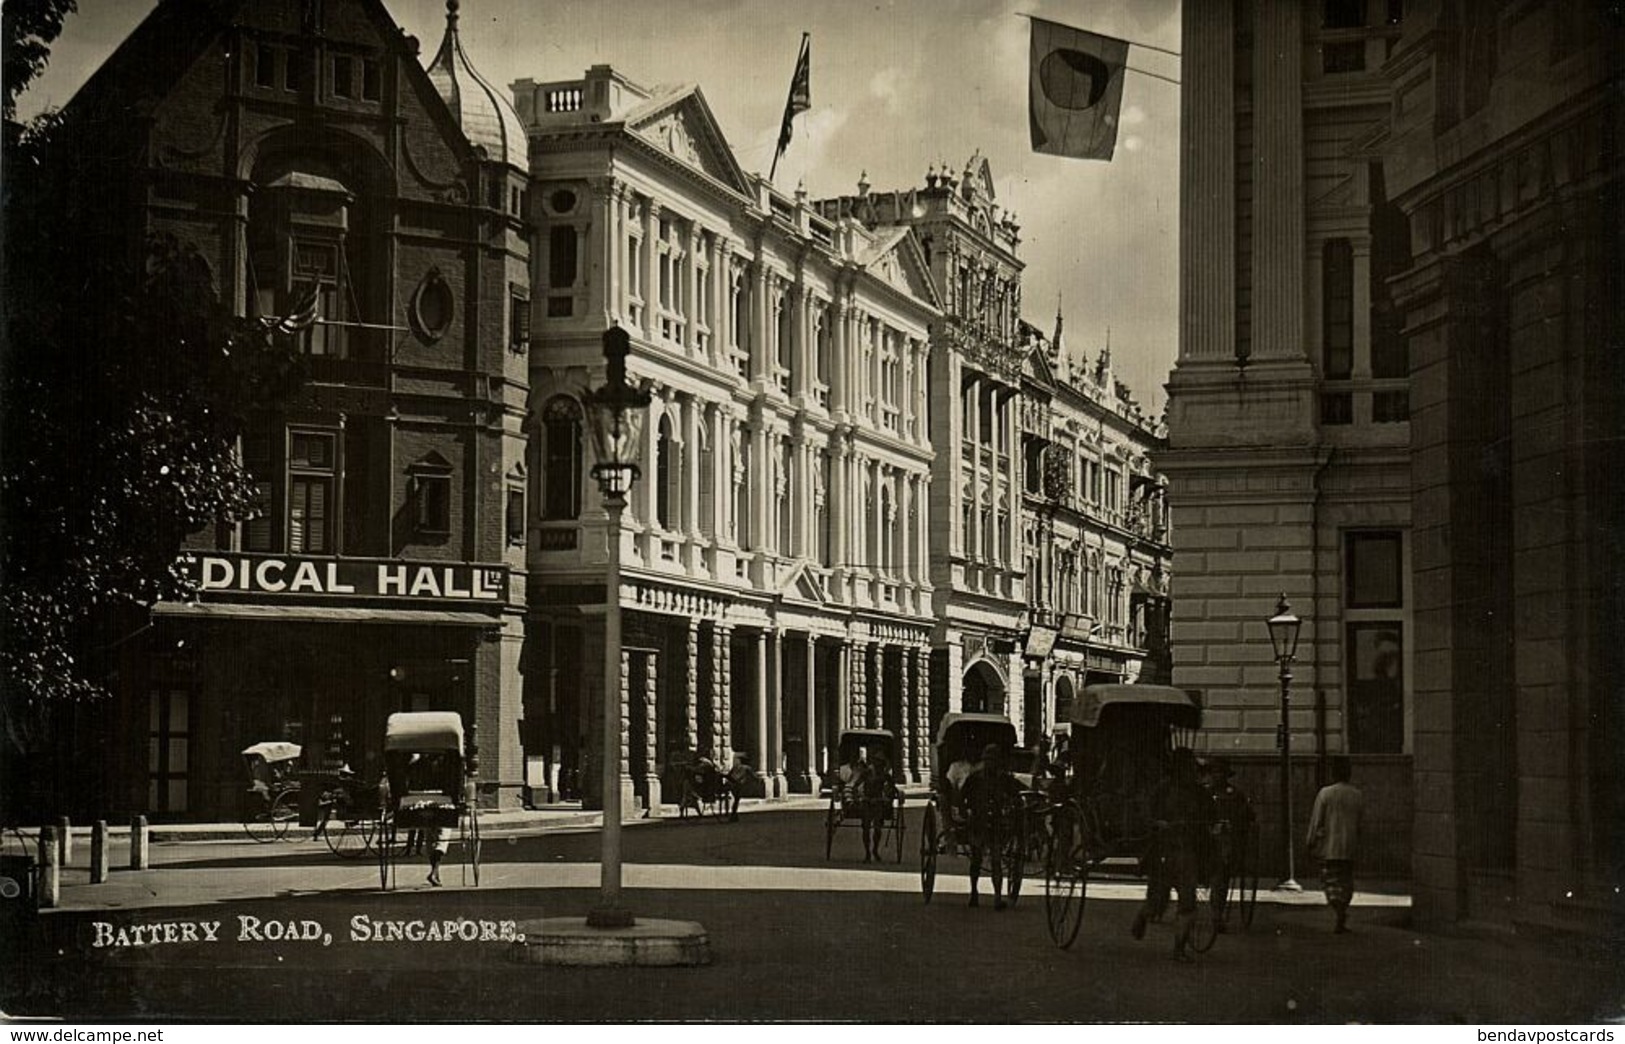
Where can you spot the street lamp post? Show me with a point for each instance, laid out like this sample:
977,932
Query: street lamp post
615,415
1284,628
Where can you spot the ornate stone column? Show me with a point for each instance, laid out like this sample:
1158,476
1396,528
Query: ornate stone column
859,716
759,754
914,712
691,690
812,746
651,270
775,713
721,695
655,757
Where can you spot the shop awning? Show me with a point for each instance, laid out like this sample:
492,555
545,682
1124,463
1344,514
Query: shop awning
322,614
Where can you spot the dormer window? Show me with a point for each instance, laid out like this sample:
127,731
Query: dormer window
299,273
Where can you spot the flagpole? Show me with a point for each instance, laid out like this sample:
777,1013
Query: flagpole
789,99
1158,76
1132,43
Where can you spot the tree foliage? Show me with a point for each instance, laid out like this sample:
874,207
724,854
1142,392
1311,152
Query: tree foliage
126,384
26,34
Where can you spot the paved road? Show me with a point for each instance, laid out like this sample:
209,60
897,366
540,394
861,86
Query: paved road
793,937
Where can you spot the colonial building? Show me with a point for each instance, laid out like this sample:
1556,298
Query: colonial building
1503,159
776,580
1289,431
974,385
1097,541
320,171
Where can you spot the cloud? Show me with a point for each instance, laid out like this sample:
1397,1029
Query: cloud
1131,115
887,85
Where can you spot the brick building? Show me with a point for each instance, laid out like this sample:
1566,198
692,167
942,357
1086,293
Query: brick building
310,158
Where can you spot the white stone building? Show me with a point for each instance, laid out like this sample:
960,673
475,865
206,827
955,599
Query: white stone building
775,556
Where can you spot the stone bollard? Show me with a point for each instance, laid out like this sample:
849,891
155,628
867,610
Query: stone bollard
64,833
50,870
138,843
99,854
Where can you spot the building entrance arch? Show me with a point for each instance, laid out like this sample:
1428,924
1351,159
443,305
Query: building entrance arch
982,690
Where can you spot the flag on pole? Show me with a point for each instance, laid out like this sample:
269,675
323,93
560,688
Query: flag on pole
799,101
303,312
1075,90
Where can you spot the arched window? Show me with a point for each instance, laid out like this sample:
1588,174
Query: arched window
706,462
666,476
561,465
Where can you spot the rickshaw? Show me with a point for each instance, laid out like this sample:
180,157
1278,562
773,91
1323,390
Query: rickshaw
271,803
948,826
430,789
1122,743
876,804
350,813
702,788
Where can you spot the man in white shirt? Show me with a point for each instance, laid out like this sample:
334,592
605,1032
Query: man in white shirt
1334,834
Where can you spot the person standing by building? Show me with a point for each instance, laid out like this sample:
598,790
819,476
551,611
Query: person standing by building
1334,834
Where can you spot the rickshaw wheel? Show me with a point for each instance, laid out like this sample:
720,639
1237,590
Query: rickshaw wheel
349,839
1066,878
832,820
471,839
1015,851
284,813
258,824
928,852
386,851
1205,929
1244,887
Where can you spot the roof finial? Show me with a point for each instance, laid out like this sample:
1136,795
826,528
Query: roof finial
452,7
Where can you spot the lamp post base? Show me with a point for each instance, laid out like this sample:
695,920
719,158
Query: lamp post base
610,917
1289,885
650,943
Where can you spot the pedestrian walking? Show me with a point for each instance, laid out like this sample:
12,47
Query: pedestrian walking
1334,835
1182,815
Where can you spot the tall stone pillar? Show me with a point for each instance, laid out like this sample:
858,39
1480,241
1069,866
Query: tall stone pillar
722,693
843,701
923,739
811,745
914,714
656,757
1207,186
651,271
691,687
874,712
775,713
760,751
1278,207
859,718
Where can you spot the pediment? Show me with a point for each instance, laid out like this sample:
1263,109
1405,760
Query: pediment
1038,367
681,125
897,260
804,586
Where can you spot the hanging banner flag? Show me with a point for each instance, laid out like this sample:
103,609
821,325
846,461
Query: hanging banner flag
799,101
1075,91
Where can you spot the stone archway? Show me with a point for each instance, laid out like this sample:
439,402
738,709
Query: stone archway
982,690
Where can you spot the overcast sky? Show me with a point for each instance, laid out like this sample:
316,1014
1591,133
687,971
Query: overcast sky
897,85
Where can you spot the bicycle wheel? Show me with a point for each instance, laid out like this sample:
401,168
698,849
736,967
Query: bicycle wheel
1066,878
1205,928
928,852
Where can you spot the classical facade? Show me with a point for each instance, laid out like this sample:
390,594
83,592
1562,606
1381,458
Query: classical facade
973,393
1289,433
776,575
1503,158
1097,537
320,171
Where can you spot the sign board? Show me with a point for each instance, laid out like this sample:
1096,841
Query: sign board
294,577
1041,641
